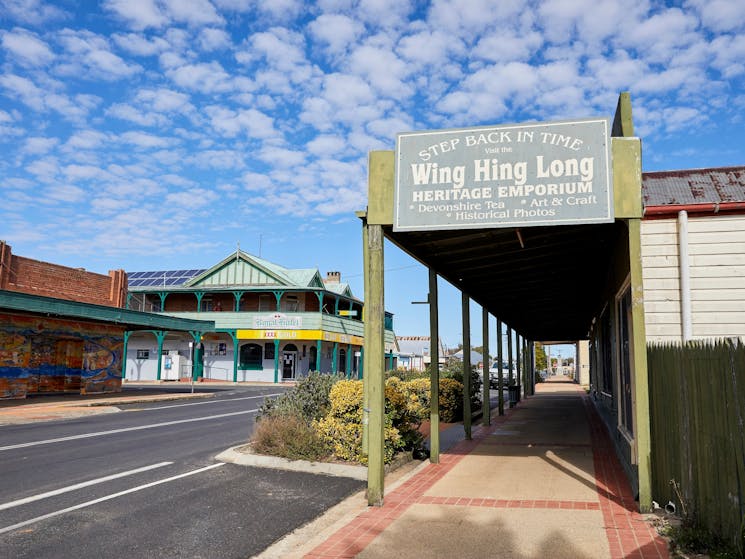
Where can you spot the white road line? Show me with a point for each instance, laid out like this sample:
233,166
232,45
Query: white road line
106,498
209,402
62,490
124,430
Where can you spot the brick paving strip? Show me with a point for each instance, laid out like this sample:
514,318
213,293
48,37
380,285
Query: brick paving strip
629,536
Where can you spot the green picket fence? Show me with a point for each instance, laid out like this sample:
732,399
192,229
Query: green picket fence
697,413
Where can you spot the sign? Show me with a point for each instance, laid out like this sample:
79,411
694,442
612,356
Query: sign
255,334
550,173
277,321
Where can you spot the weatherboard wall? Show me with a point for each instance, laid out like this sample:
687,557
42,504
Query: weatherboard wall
716,248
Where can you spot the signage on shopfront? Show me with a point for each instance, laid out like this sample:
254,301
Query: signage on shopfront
277,320
263,334
550,173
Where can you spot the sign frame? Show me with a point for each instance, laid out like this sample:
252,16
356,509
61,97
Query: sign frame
512,175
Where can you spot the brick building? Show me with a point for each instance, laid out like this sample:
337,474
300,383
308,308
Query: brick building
63,329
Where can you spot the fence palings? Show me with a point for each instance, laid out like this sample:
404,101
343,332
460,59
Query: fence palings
697,414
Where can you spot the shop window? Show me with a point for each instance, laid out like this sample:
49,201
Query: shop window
250,357
143,354
624,354
290,303
269,350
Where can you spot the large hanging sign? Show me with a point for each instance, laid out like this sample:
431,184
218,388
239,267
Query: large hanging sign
548,173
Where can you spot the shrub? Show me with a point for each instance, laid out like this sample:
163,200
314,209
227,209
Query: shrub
451,400
451,397
290,437
341,429
308,399
406,375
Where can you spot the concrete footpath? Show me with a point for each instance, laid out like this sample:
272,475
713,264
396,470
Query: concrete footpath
541,481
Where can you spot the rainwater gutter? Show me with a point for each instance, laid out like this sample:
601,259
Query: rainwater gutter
685,276
708,208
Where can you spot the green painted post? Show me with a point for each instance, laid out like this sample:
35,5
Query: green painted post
124,354
375,341
641,374
160,335
349,360
518,371
485,399
434,370
365,354
199,295
234,336
237,295
318,356
276,361
278,296
129,300
465,304
509,358
334,364
500,357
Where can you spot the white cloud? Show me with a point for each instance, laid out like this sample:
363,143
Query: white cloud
193,12
26,47
660,36
90,56
720,15
336,31
65,193
191,199
253,123
326,144
382,69
211,39
39,145
86,140
145,140
140,45
140,14
35,12
430,47
23,89
204,77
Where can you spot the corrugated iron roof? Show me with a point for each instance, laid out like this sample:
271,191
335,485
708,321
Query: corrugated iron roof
694,186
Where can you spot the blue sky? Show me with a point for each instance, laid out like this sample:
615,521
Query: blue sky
159,134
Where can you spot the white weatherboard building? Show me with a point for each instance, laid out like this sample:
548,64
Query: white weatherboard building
272,323
693,254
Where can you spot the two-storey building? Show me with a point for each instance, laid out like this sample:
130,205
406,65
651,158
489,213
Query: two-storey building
272,323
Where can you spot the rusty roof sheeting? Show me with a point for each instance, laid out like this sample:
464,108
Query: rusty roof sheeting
694,186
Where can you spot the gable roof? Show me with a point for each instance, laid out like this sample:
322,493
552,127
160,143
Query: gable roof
723,185
241,270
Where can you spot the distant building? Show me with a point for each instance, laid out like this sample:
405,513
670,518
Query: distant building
272,323
62,329
414,352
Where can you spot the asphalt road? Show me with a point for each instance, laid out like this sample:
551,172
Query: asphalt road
144,483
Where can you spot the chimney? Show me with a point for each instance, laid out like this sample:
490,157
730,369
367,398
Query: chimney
332,277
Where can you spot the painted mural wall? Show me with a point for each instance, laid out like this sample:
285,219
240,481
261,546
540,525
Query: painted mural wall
40,354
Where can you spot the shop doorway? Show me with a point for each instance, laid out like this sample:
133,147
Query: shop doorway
289,362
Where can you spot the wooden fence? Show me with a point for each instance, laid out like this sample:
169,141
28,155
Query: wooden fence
697,409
